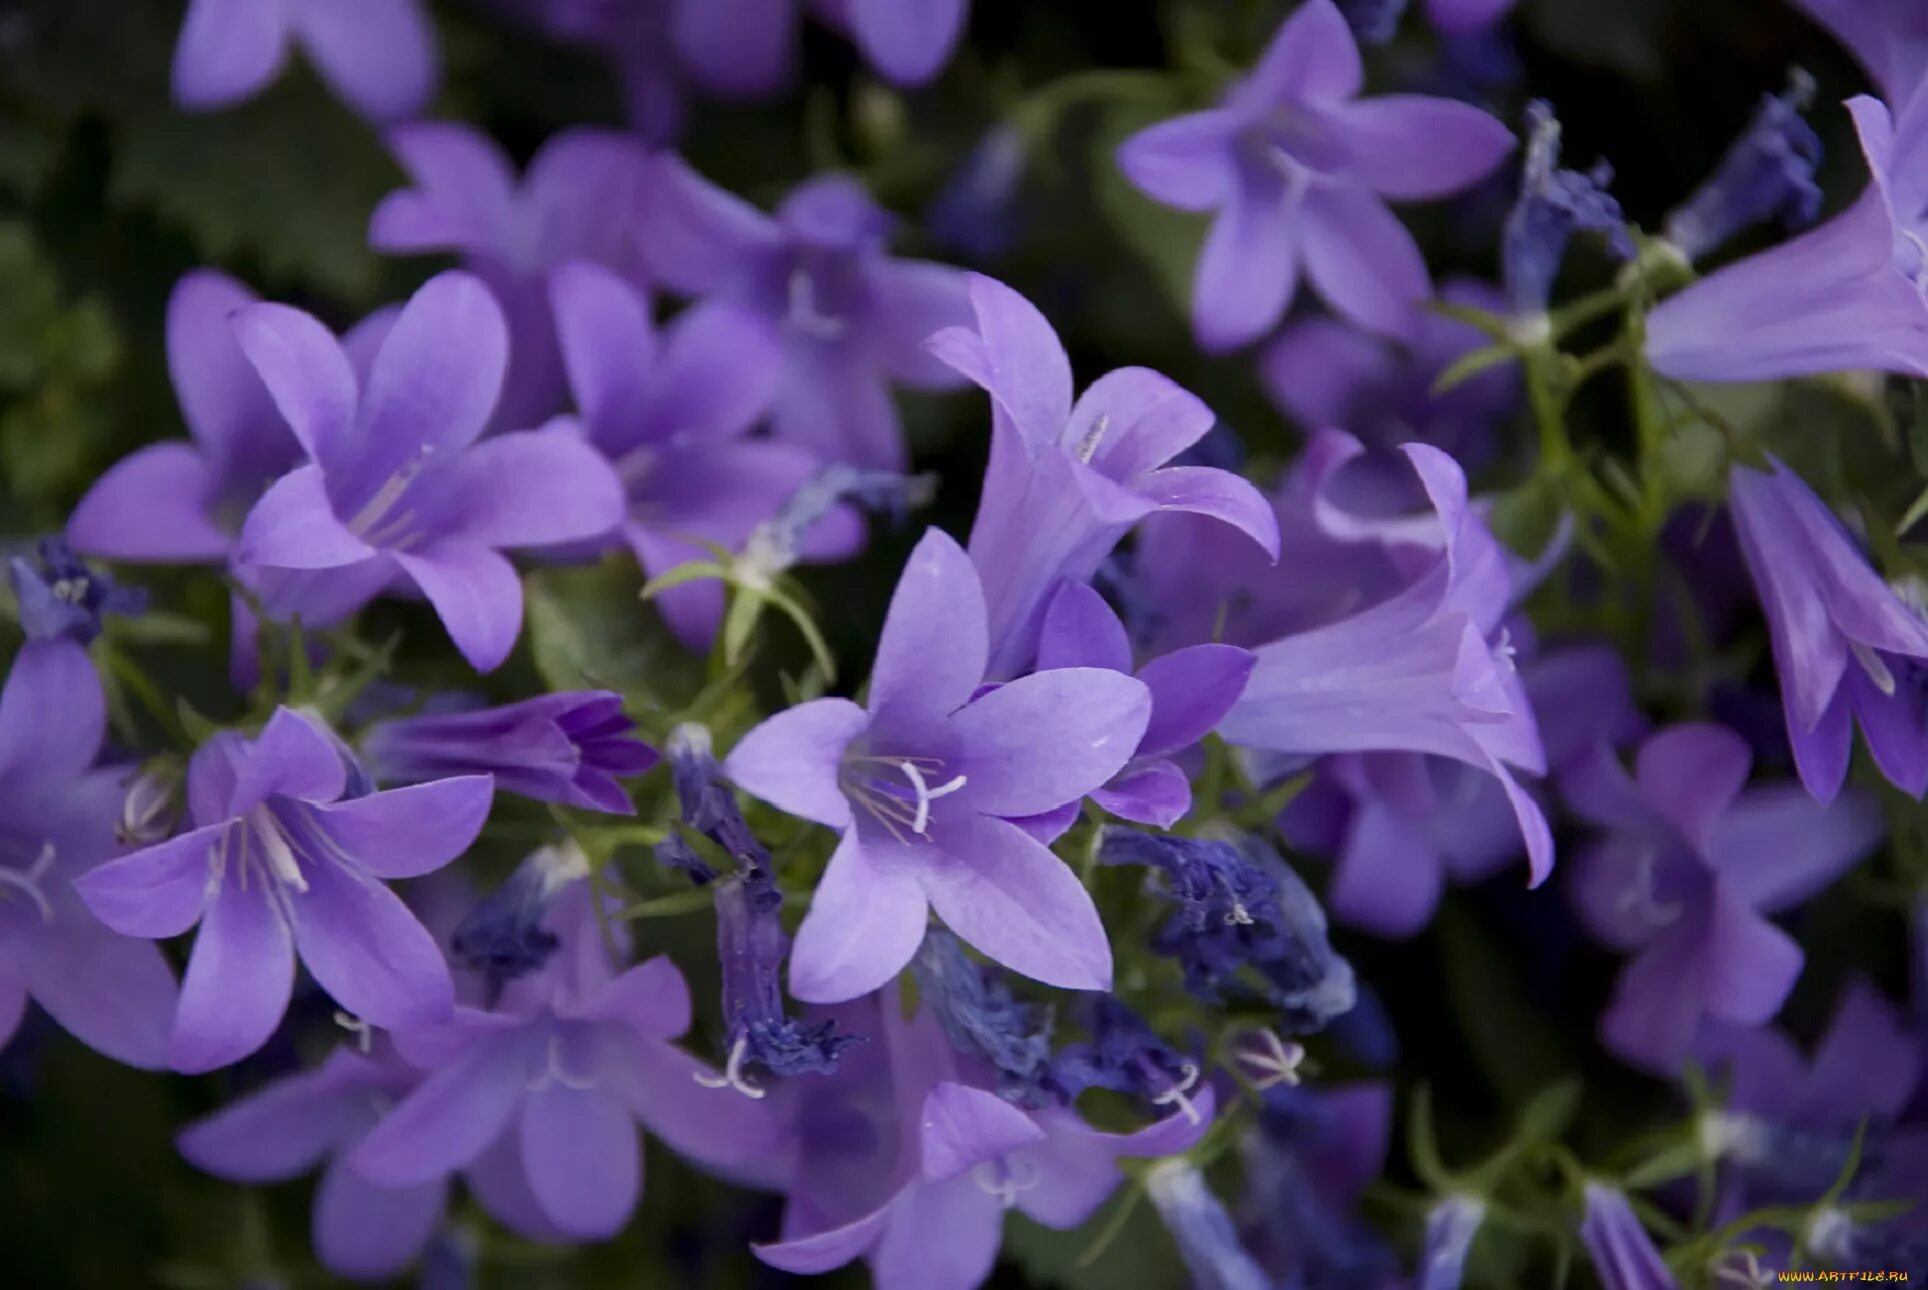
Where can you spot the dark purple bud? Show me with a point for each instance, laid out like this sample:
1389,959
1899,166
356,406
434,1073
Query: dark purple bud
973,213
707,806
58,595
1124,1055
1553,205
1766,174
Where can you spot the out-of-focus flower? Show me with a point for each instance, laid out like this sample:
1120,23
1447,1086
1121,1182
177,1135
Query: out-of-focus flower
1846,647
505,937
1691,867
1067,481
1462,17
59,598
1373,22
578,199
1623,1254
57,813
397,485
975,212
984,1021
1766,174
1202,1229
378,55
1451,1225
923,784
1553,205
1307,1161
1298,168
848,320
1846,295
1890,37
280,864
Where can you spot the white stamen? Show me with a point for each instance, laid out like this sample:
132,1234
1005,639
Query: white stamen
1006,1178
377,507
274,845
803,309
1088,446
1640,898
1829,1234
1506,652
553,1072
71,590
1877,670
732,1076
920,824
28,883
363,1032
1743,1268
1176,1094
1275,1060
1240,916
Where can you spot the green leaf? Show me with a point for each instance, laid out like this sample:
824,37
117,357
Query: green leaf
589,630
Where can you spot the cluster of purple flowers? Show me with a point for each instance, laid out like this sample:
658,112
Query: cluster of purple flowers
1063,829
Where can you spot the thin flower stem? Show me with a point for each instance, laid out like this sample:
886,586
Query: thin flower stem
682,902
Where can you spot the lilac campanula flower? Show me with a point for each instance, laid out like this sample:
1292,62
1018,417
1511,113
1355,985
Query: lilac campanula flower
569,748
1299,170
1766,174
1326,375
57,812
923,784
58,597
672,415
904,1159
1067,481
1846,647
848,320
279,864
1845,295
1311,1155
985,1021
397,485
506,937
1553,205
1241,913
907,42
1888,37
1451,1225
288,1126
578,199
1207,1239
1691,865
538,1099
1428,670
378,55
1191,690
1624,1257
748,48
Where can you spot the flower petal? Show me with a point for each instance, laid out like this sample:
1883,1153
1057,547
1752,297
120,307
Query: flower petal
961,1126
1248,269
607,340
1155,793
464,194
584,1163
228,50
533,488
794,759
307,374
1033,744
450,1117
1015,355
293,526
700,235
935,640
407,832
1184,162
866,920
53,716
434,384
1413,148
157,892
278,1131
1191,691
1226,497
151,505
476,594
1778,846
1312,57
941,1235
1362,260
1081,630
379,55
240,976
908,43
367,950
113,994
370,1233
1016,902
737,48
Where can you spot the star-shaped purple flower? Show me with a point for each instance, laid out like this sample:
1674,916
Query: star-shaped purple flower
396,484
279,863
924,782
1298,168
379,55
57,814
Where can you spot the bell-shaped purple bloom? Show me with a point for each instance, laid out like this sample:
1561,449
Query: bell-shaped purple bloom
506,935
287,1127
1691,867
748,47
1889,37
1428,670
396,483
672,415
57,596
1067,481
1846,295
1451,1225
903,1159
538,1100
1624,1257
847,319
569,748
1846,647
280,864
57,813
1191,690
378,55
924,782
578,200
1299,168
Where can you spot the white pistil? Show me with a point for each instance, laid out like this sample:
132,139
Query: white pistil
1877,670
1005,1178
1829,1233
1640,898
803,309
554,1073
1177,1094
1506,652
921,822
1275,1060
71,590
274,845
375,510
1088,446
732,1076
363,1032
28,883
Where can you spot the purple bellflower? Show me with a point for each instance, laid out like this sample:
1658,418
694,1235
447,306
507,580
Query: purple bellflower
58,596
1845,295
1299,169
1191,691
1552,206
1690,868
1373,22
924,783
378,55
287,1127
1428,670
1307,1161
748,47
672,415
57,813
538,1099
278,864
1451,1225
578,200
397,485
1766,174
814,278
1889,37
1623,1255
505,937
1846,647
1067,481
569,748
903,1159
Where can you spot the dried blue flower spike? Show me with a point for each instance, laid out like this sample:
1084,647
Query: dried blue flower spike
60,596
503,937
1553,205
1766,174
983,1018
1124,1055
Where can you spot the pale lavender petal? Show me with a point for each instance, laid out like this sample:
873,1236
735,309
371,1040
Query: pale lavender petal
1412,148
817,1252
584,1163
1133,420
533,488
1889,37
1658,1001
1191,691
1016,902
1033,744
290,759
1312,57
961,1126
736,47
500,1185
794,759
239,978
866,919
1185,162
407,832
115,995
307,375
450,1117
835,402
1363,261
1388,878
915,300
1821,754
476,594
712,1124
464,194
908,43
582,194
651,999
1868,1062
1158,793
1248,270
700,235
369,1233
157,892
1081,630
1014,354
277,1132
718,372
435,381
151,506
293,526
378,54
935,641
367,950
226,407
228,50
1077,1166
943,1236
53,716
1778,846
1692,774
607,340
1229,498
1751,963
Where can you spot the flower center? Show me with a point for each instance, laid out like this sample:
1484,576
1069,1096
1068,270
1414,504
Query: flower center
806,313
28,882
555,1071
1641,896
898,791
276,852
1006,1178
732,1076
1178,1094
376,523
